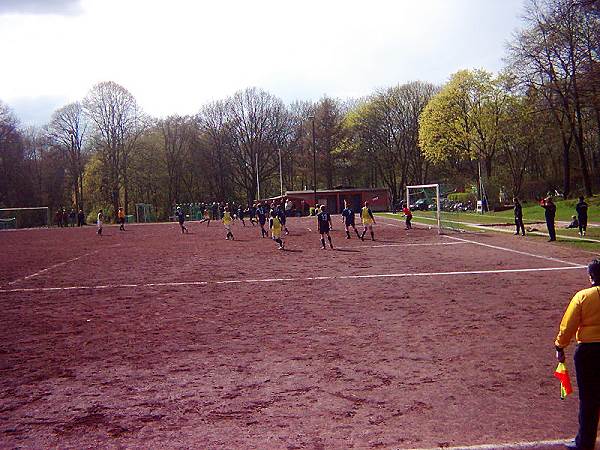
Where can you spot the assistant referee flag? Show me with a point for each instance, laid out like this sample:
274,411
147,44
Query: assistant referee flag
565,382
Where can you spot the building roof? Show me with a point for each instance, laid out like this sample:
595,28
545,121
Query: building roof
335,191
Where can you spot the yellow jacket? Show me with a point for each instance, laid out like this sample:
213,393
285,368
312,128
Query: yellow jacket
581,319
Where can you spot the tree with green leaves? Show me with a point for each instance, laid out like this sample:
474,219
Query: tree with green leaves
464,121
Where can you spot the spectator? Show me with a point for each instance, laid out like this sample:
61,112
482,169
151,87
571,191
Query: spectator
550,213
574,222
80,218
582,210
518,217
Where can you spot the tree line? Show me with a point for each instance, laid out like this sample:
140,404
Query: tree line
532,128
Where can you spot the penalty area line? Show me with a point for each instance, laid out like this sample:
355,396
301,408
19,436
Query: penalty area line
54,266
497,247
290,279
506,446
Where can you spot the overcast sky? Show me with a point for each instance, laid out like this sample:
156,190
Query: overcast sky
176,55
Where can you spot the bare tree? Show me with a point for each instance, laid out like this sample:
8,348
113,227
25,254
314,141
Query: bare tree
68,130
118,124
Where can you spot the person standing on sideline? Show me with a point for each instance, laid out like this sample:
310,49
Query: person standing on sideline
99,221
582,210
368,220
518,217
72,217
324,221
348,220
181,218
121,215
582,321
80,218
407,215
550,213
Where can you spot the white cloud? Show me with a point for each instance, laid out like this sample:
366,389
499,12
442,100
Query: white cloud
175,56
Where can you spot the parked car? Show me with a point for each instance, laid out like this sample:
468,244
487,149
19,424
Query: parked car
420,205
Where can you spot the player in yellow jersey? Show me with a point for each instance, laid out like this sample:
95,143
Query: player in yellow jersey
368,220
227,221
275,226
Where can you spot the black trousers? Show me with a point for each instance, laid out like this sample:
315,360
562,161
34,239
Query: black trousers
587,367
551,230
582,223
519,225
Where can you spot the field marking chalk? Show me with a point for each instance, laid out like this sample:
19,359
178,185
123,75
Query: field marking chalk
54,266
505,446
281,280
497,247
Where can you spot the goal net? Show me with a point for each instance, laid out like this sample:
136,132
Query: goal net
423,200
144,212
429,206
24,217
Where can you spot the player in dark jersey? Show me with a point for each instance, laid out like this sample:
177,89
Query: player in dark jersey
181,218
251,212
281,214
261,215
324,221
240,214
348,220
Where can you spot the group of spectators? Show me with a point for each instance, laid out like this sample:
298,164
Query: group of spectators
64,218
578,221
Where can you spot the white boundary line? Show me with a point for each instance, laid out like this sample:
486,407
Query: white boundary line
282,280
506,249
506,446
54,266
497,247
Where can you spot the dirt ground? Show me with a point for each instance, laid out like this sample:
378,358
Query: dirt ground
150,338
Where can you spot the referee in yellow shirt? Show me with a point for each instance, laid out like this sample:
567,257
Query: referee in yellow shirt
582,321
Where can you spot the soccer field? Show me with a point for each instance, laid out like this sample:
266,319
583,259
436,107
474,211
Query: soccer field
151,338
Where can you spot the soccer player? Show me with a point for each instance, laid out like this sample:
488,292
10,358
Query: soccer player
261,215
281,214
206,217
240,214
181,218
324,221
252,213
227,220
121,215
368,220
348,220
99,222
408,216
275,226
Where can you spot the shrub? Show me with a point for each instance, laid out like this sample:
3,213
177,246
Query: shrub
462,197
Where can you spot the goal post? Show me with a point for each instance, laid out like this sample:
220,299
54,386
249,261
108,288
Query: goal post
425,197
31,217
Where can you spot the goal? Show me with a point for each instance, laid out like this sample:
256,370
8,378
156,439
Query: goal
25,217
424,201
144,212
